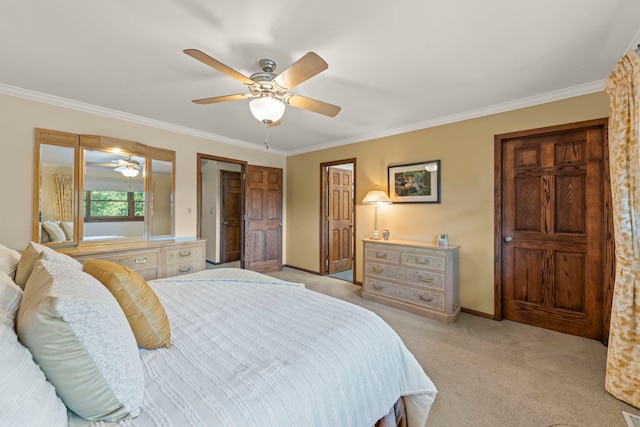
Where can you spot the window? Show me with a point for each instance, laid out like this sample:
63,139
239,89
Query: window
100,206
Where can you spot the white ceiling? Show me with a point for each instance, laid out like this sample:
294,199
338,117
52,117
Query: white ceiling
393,66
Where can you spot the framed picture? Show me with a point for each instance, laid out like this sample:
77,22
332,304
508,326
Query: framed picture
415,182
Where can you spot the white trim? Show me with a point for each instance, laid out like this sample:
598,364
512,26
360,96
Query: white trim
119,115
530,101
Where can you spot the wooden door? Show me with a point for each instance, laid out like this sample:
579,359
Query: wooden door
340,220
263,225
554,266
231,212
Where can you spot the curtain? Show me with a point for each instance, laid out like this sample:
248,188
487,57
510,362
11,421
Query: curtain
623,357
63,192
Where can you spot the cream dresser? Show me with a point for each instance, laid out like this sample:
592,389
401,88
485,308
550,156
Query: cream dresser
152,259
414,276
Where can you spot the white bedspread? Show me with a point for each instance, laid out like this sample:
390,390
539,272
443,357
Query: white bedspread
250,350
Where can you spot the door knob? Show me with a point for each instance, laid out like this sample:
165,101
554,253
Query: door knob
508,239
225,222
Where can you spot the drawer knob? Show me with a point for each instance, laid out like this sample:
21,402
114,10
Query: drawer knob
378,287
422,261
425,298
377,270
381,256
140,261
185,269
185,253
425,279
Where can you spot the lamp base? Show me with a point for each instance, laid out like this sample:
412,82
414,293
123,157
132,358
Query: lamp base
375,235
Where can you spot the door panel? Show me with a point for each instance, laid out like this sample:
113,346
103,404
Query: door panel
552,230
340,220
263,226
231,208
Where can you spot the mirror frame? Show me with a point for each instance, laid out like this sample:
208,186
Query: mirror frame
108,144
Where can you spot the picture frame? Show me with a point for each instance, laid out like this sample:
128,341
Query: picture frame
414,182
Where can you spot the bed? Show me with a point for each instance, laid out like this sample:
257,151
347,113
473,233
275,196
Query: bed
250,350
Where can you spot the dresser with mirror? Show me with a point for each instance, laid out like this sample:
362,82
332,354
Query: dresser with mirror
108,198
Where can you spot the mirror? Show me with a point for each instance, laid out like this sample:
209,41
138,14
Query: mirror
113,195
161,198
93,189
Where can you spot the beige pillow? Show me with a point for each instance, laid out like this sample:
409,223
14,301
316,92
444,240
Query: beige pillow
34,252
67,227
140,304
81,340
54,231
9,261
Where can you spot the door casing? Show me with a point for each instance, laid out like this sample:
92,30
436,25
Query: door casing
324,229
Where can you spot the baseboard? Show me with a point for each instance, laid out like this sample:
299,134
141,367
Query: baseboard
478,313
302,269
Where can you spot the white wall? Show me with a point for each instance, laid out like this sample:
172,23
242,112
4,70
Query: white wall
211,199
20,117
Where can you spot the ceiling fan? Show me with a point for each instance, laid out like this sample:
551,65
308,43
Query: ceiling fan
269,92
128,167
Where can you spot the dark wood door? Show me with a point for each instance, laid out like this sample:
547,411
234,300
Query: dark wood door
340,220
263,226
231,213
553,225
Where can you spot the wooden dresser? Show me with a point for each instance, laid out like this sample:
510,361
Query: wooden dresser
152,259
414,276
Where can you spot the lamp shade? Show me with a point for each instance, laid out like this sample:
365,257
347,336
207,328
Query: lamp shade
129,172
266,109
376,197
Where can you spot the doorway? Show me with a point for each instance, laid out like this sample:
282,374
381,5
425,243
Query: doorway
554,233
215,206
337,219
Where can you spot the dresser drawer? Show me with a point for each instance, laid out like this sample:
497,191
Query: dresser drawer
382,255
148,273
182,254
432,262
182,268
421,297
135,261
421,278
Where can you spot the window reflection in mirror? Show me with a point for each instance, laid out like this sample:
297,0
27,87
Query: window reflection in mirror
161,193
56,210
113,196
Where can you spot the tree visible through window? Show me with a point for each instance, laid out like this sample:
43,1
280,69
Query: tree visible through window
113,206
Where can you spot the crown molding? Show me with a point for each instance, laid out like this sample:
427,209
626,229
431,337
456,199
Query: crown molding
119,115
517,104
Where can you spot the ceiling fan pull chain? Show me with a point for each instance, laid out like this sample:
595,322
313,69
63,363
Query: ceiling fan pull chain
266,135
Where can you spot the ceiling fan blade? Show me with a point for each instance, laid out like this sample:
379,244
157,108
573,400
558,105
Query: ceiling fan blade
311,104
214,63
301,70
102,164
222,98
276,123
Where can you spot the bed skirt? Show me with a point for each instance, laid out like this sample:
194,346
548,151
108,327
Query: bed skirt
397,416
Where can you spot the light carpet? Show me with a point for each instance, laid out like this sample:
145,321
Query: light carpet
492,373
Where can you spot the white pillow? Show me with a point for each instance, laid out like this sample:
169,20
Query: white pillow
54,231
9,261
10,296
27,399
81,340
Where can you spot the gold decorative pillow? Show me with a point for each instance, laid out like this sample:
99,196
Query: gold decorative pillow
140,304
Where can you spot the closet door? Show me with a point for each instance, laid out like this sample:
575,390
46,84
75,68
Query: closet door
263,219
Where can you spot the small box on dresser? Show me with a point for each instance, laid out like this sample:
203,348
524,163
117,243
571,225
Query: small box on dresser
419,277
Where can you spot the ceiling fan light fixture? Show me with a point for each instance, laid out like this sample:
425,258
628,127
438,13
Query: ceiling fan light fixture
267,109
129,172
